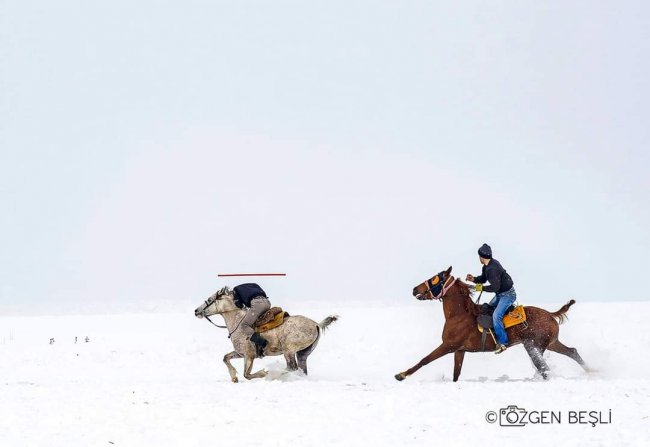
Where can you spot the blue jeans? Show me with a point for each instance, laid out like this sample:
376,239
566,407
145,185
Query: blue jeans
502,301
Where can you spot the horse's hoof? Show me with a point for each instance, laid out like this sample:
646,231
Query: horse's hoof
399,377
235,380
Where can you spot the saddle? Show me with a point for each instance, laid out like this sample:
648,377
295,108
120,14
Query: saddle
270,319
513,316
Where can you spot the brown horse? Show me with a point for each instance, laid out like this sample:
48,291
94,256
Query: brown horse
460,333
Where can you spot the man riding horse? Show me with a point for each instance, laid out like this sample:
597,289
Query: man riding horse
501,284
254,299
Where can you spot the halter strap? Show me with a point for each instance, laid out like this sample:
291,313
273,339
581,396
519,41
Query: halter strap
444,290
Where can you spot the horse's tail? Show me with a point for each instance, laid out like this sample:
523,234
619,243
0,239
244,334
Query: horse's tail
560,315
327,321
304,353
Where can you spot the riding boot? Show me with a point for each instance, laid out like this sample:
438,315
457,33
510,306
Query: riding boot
500,348
260,343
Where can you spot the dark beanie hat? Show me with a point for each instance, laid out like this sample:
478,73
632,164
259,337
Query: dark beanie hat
485,251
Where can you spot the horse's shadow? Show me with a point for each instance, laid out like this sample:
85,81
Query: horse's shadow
502,379
536,378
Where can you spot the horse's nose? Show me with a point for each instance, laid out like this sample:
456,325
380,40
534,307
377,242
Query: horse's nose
415,292
198,313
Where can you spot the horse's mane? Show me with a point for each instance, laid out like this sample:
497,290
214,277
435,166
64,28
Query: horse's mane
467,292
465,288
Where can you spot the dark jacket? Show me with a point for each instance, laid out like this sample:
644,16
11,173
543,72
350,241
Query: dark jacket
497,276
244,294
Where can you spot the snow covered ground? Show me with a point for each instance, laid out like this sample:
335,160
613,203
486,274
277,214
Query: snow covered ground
158,380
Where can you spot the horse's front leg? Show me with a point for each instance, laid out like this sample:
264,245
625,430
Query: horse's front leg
248,366
441,350
231,369
458,363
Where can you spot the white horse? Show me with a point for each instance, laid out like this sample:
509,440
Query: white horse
296,338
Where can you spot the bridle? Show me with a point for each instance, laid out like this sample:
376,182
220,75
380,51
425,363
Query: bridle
436,290
209,302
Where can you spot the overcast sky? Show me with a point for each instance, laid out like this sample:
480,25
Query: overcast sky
360,147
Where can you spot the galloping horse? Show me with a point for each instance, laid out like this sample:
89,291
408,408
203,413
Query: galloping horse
460,333
296,338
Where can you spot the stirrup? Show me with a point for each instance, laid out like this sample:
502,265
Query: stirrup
500,349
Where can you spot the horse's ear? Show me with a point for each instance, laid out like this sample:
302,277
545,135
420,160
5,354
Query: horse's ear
448,271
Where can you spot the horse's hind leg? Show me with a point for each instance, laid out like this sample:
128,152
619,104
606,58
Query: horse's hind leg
290,357
304,353
248,365
458,363
302,362
558,347
537,356
231,369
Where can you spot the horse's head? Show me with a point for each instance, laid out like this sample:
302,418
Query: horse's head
434,287
220,302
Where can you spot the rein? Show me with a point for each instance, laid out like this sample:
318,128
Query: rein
220,327
225,327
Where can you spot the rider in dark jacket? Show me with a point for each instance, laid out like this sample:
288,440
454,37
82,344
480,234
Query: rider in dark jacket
251,297
501,284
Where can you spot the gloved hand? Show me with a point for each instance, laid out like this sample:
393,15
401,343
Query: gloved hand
469,278
478,287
